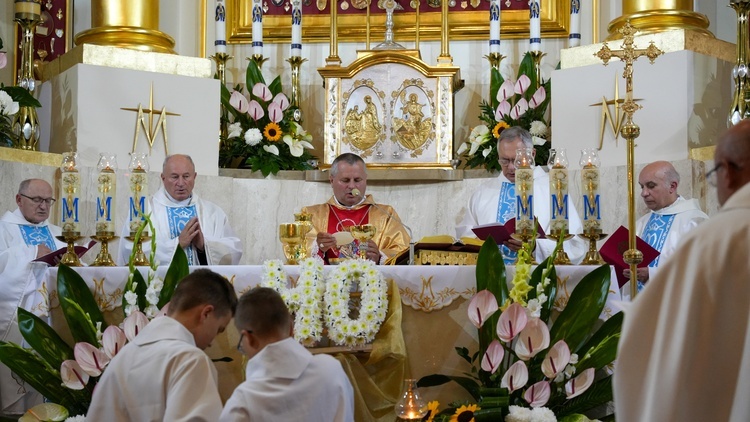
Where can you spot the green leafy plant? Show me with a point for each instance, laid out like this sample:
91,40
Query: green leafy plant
512,103
263,134
525,360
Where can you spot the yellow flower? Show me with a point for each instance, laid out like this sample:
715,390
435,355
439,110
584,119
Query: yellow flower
272,132
432,410
465,413
499,127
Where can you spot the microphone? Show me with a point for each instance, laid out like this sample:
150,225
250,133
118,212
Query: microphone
408,229
356,192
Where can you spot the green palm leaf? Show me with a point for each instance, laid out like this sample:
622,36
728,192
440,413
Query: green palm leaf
43,339
79,306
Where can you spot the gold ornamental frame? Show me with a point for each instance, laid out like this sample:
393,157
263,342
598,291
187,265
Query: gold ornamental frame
466,25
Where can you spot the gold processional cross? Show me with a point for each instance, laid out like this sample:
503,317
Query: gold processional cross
630,131
151,131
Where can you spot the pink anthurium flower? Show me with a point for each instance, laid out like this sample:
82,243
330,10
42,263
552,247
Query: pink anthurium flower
492,357
538,394
163,311
134,324
238,101
261,91
533,339
522,84
275,113
518,110
503,109
538,98
92,360
511,322
255,110
579,384
505,91
281,100
481,307
72,375
515,377
556,360
113,339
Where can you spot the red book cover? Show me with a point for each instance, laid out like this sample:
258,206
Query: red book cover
53,258
501,232
617,244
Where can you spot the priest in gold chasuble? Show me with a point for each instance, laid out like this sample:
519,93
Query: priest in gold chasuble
350,206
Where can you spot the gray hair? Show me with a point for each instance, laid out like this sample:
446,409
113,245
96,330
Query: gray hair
168,157
24,186
348,158
516,133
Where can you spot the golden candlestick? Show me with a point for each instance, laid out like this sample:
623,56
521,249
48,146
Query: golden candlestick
103,258
139,258
295,62
258,59
536,57
630,131
70,258
221,60
593,257
495,59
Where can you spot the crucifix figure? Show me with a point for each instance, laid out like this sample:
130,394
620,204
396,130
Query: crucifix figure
630,131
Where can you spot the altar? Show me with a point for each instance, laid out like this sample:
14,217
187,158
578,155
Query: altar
434,303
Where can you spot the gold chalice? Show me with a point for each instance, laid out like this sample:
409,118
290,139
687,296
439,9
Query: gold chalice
291,236
362,234
304,220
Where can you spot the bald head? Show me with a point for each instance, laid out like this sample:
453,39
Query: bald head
659,181
732,160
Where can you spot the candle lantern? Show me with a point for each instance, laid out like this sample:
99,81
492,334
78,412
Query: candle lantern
69,203
524,164
558,188
138,181
411,406
592,216
106,186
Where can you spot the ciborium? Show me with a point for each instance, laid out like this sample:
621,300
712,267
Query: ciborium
362,234
292,235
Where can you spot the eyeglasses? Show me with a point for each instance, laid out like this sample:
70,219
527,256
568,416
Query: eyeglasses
38,199
504,162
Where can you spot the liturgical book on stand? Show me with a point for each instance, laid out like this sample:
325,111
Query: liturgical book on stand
53,258
501,232
617,244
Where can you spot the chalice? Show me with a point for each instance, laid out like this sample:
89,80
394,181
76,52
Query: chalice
362,234
304,220
291,236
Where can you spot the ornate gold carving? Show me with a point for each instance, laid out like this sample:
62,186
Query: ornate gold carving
410,127
150,130
364,128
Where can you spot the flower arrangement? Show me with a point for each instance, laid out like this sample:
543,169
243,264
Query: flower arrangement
305,300
531,369
263,134
12,98
517,103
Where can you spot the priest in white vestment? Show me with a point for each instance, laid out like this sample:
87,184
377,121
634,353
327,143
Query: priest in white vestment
283,380
350,206
25,235
684,351
495,201
163,374
181,218
670,218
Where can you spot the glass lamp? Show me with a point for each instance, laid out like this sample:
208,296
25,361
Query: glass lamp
411,406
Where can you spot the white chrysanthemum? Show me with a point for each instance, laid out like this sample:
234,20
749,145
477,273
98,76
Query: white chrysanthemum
253,137
518,414
538,128
542,414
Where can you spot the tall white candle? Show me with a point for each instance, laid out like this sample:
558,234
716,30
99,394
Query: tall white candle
494,26
296,28
220,16
535,26
574,39
257,28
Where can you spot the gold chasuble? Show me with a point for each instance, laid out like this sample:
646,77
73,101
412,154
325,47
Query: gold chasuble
390,236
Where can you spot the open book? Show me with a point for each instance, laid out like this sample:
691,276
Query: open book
501,232
617,244
441,242
53,258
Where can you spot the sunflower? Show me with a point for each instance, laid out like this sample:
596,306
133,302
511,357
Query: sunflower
499,128
272,132
432,411
465,413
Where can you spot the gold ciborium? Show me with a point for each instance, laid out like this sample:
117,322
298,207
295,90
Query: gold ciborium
362,234
292,235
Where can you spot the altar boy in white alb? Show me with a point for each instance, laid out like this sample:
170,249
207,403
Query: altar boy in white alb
671,216
181,218
25,234
495,201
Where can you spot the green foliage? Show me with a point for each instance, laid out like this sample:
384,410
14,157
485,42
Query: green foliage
79,306
177,270
43,339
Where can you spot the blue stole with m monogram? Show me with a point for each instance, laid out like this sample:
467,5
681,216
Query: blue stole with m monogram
656,231
506,209
177,217
37,235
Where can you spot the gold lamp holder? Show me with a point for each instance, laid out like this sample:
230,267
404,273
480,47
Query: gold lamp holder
258,59
525,236
494,59
630,131
593,257
561,257
104,259
139,258
70,257
295,62
536,57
